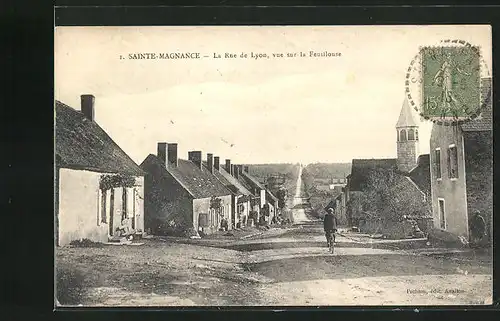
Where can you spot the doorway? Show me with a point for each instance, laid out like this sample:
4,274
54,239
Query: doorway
442,219
111,211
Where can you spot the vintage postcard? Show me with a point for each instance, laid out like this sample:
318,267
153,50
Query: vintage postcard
273,166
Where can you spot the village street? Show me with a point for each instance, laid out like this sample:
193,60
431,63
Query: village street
279,266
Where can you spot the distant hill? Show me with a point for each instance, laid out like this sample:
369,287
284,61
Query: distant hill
328,170
261,171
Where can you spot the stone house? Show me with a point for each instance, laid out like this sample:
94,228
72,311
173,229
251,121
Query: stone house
99,189
254,204
410,181
182,196
462,171
272,202
258,190
240,205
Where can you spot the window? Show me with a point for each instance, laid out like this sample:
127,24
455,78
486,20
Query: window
402,135
416,134
452,162
411,134
437,162
441,214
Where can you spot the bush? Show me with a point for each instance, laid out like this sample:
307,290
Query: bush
191,232
70,287
85,243
445,238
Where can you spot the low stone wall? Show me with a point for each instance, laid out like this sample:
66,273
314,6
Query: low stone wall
394,229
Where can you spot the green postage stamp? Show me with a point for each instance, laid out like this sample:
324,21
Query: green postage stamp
450,84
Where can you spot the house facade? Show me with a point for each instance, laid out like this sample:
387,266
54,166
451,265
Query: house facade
182,196
462,171
257,189
99,189
241,195
272,202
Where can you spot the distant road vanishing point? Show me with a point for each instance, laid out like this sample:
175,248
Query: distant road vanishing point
299,215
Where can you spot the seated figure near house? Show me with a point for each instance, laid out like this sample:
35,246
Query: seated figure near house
224,224
124,228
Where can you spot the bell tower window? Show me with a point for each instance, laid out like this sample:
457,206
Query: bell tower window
402,135
411,134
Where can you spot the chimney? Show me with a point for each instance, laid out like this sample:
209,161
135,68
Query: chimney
162,153
245,168
210,162
87,106
172,154
240,169
229,168
217,162
236,172
195,157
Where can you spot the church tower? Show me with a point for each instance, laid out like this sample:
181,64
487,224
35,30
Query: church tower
407,138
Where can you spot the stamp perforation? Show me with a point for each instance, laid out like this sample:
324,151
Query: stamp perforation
447,43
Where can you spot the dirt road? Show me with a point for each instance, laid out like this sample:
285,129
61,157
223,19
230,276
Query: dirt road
281,266
298,212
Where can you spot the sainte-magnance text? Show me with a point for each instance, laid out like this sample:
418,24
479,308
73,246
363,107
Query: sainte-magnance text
197,55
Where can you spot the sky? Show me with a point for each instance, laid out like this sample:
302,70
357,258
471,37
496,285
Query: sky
276,110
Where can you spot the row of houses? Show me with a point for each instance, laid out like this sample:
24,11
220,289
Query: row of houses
102,194
443,190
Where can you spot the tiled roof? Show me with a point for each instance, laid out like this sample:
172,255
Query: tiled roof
406,190
252,180
199,183
421,175
361,169
245,184
407,116
82,144
271,195
223,180
485,120
233,181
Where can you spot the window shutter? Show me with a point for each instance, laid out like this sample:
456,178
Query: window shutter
99,206
448,157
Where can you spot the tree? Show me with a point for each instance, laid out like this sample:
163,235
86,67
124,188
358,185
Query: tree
386,195
281,194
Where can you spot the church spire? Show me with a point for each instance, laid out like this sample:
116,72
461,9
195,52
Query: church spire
407,138
406,117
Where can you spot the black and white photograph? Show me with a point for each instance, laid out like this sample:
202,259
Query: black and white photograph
273,166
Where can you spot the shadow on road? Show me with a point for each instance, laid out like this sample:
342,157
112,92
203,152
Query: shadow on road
248,247
356,266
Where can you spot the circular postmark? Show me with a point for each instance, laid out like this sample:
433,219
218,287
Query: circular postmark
447,83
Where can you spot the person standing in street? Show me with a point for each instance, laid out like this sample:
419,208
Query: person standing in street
330,226
477,228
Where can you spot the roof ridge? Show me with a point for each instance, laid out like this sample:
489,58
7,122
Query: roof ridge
165,168
69,116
